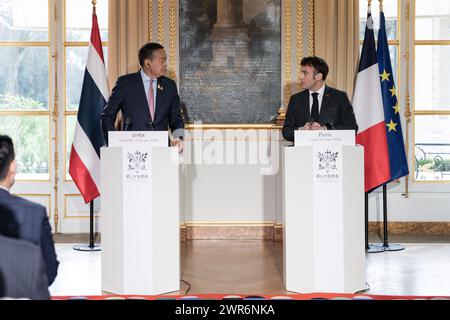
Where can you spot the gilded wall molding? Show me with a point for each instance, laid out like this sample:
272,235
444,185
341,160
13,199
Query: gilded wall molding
172,39
310,27
287,52
150,20
407,113
55,116
161,21
299,18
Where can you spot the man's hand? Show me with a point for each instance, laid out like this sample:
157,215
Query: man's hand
177,142
317,126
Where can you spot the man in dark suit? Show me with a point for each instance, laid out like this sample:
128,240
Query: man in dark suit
22,268
32,220
148,99
318,107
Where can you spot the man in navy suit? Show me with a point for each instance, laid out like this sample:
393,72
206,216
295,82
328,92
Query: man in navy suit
32,220
22,268
148,99
318,107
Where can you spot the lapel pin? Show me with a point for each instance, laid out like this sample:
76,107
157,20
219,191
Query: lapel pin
160,87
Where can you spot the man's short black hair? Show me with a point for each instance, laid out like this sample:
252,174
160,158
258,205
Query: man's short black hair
318,64
146,51
6,155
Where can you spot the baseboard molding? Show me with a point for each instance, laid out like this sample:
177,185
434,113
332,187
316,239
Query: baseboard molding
412,228
228,231
272,231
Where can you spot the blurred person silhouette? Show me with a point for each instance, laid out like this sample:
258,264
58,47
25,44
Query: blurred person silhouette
31,218
22,268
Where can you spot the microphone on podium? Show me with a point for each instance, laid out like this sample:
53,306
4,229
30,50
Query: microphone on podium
127,124
330,125
150,126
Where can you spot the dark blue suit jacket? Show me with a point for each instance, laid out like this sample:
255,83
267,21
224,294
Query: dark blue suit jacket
335,109
23,270
34,227
129,96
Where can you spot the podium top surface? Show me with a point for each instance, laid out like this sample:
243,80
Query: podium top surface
150,138
321,137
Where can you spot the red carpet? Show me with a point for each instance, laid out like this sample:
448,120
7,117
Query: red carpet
307,296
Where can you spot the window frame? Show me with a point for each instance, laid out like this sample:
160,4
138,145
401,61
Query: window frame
41,44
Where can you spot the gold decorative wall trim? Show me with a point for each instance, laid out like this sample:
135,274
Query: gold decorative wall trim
55,115
310,27
161,21
287,52
150,20
300,30
172,40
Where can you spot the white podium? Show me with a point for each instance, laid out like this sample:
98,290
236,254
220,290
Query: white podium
324,214
140,216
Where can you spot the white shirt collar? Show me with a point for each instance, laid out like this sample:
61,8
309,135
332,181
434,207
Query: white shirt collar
320,91
4,188
145,77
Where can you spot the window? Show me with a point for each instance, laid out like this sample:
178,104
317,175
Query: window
25,82
391,10
431,90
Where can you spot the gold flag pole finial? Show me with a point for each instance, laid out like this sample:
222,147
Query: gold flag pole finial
369,3
94,3
381,5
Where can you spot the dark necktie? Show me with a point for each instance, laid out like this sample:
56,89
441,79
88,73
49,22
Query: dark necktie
315,107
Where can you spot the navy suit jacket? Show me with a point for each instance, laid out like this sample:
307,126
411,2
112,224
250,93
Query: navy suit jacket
23,270
34,227
129,96
336,109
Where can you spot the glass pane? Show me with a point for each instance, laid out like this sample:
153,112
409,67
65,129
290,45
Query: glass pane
24,78
393,52
30,135
390,8
79,21
432,21
75,65
432,76
432,148
70,130
22,20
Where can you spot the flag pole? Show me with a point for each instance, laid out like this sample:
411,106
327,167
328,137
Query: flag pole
91,246
385,246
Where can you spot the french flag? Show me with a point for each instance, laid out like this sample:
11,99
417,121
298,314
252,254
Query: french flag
369,112
84,166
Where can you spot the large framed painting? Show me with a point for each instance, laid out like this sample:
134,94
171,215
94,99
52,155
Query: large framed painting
230,61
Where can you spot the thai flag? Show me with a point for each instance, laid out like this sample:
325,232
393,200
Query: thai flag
368,106
84,164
